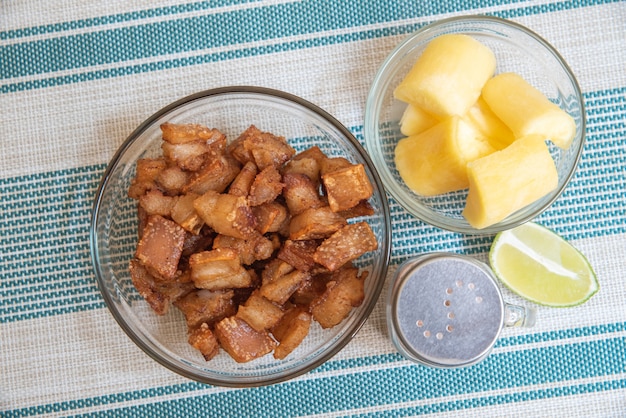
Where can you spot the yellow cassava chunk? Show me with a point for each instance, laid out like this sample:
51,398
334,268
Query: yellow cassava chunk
435,161
448,77
526,110
507,180
481,117
415,120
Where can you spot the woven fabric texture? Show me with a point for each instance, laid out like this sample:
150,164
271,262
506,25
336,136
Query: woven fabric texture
76,78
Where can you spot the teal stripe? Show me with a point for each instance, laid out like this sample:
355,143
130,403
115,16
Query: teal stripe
46,177
607,97
76,303
118,18
189,61
386,387
44,250
69,287
191,34
551,336
479,402
562,334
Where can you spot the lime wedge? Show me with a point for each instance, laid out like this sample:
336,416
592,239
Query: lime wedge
541,266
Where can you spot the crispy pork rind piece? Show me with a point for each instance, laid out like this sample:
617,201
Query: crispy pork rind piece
142,220
266,187
203,340
159,295
328,164
346,187
259,313
315,223
299,253
263,148
216,174
190,156
280,288
255,248
343,292
291,331
308,162
363,208
146,173
274,269
271,217
301,193
174,133
219,269
313,152
195,243
202,306
241,341
160,247
345,245
156,203
226,214
307,166
241,185
172,180
189,145
184,213
310,289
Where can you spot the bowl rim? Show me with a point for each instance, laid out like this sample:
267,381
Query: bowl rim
372,141
241,381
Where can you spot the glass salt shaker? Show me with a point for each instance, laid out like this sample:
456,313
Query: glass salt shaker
446,310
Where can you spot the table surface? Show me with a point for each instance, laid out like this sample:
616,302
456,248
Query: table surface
77,77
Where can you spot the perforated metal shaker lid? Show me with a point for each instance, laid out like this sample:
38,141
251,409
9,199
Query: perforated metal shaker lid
444,310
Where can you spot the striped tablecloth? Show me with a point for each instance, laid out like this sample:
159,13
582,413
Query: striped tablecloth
76,77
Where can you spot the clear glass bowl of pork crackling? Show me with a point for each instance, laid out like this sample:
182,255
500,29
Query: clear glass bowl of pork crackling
517,49
114,233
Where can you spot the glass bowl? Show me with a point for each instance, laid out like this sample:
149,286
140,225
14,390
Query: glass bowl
517,49
113,233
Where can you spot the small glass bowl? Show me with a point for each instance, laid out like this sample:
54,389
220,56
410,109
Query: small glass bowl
517,49
113,233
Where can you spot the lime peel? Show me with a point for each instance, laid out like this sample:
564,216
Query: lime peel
541,266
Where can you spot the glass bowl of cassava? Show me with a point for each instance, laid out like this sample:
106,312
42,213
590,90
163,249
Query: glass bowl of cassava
241,236
476,124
